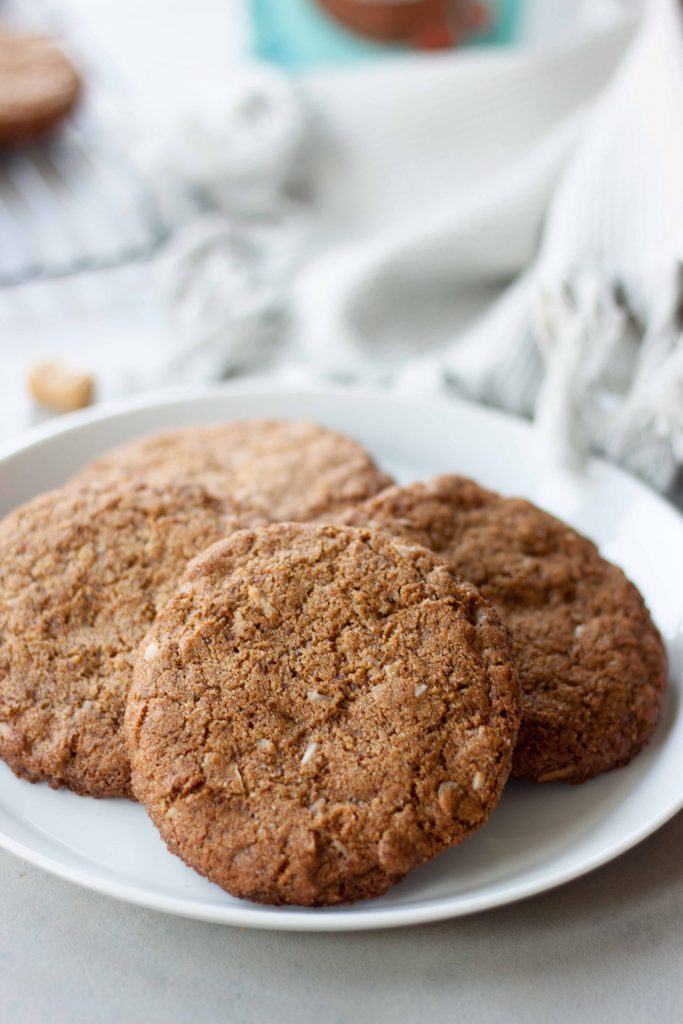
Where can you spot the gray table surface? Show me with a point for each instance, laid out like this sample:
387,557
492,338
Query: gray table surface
607,947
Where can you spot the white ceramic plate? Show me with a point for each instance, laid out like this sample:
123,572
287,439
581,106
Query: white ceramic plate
539,836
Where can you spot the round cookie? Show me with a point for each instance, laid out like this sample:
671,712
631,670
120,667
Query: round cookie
83,573
38,88
591,662
284,470
318,710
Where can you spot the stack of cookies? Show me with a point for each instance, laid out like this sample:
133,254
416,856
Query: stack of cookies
313,679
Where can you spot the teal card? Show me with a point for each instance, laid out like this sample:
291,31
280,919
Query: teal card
298,34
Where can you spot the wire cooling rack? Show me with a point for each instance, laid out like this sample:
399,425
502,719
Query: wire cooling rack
74,205
76,202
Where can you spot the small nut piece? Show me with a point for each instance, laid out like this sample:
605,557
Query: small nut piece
59,387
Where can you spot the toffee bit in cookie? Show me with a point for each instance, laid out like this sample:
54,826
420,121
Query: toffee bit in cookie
446,794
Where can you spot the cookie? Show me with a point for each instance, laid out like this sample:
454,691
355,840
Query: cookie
591,662
281,469
38,88
318,710
83,573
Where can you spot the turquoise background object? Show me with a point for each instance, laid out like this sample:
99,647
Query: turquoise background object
297,34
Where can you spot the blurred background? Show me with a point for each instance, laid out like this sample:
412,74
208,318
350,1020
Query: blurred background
472,199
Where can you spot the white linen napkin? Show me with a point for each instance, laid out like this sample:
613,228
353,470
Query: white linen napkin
508,227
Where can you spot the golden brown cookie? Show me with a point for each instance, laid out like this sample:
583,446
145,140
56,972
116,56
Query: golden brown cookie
284,470
591,662
83,573
318,710
38,88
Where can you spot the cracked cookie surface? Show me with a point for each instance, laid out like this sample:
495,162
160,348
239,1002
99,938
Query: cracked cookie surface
281,469
318,710
591,662
83,573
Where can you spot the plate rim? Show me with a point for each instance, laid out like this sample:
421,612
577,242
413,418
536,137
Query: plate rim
299,919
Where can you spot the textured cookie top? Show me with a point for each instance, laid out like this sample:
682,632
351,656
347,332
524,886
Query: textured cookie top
283,470
319,709
591,662
38,87
83,573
